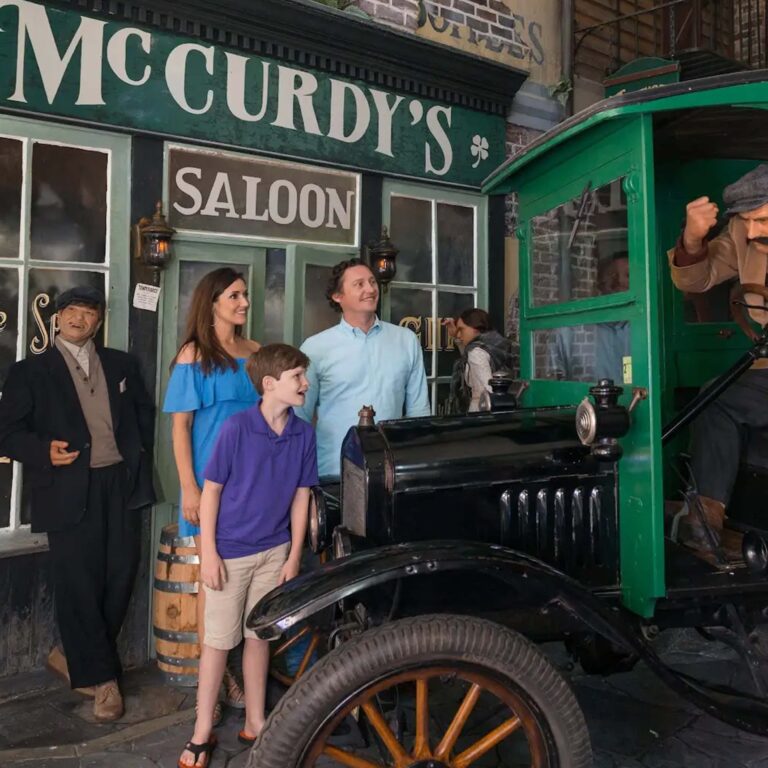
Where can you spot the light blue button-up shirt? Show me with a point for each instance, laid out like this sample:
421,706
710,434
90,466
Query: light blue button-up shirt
349,369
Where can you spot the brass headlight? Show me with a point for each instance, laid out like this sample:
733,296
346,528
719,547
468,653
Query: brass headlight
317,534
586,422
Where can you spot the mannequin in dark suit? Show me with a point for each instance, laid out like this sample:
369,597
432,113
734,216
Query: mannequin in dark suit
80,421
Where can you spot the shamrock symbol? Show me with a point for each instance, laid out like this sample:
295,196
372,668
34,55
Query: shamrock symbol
479,149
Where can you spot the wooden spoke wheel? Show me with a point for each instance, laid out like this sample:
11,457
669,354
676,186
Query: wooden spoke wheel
431,692
311,642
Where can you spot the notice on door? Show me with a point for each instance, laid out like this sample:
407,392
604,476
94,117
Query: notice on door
224,192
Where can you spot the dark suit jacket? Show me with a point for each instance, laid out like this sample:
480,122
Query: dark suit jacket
39,404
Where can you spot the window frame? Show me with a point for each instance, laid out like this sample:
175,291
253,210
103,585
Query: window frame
479,287
17,538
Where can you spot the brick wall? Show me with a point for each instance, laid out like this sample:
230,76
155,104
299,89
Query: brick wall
490,20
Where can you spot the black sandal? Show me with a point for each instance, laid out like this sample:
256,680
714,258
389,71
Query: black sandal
197,750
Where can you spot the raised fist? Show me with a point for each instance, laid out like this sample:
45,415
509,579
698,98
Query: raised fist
700,217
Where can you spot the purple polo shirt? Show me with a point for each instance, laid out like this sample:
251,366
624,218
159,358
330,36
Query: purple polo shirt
260,472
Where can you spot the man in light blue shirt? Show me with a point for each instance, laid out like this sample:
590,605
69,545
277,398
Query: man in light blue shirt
360,361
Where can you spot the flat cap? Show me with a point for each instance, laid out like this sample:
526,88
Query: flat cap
80,294
748,192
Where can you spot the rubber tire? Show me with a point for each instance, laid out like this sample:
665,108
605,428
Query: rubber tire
423,640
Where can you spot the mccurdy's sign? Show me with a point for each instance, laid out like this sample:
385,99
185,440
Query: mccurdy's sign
113,74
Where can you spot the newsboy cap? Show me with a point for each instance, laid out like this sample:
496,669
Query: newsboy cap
80,294
748,192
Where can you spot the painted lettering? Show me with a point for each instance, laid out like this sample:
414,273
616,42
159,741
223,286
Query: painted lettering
35,26
216,202
339,213
537,49
176,75
441,137
236,69
289,198
312,205
190,190
362,120
251,195
386,113
117,53
295,88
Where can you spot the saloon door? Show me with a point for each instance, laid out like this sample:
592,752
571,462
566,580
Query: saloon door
191,262
307,310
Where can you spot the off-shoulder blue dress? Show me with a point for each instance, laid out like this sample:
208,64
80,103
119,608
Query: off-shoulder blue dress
213,398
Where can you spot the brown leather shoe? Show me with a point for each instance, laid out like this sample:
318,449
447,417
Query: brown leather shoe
57,663
108,703
694,534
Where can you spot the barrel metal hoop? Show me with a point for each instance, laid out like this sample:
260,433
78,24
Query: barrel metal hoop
176,662
176,586
168,557
174,637
184,681
178,541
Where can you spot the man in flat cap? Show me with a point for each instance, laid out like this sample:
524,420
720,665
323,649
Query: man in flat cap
80,421
697,265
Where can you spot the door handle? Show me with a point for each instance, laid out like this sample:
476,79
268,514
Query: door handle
725,333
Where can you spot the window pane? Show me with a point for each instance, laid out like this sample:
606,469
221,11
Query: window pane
411,232
69,204
579,249
455,244
44,286
9,329
318,313
449,305
442,397
412,308
584,353
190,274
274,296
10,197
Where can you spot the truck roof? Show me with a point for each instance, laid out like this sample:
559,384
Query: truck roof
740,97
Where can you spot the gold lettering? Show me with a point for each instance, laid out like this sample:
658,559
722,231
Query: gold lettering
414,323
39,343
3,320
450,342
430,334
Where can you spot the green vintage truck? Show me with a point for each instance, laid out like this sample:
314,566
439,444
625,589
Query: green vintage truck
457,543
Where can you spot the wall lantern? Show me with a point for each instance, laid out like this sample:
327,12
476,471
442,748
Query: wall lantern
382,259
152,240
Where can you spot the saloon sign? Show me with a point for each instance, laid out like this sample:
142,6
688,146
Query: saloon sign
237,194
59,62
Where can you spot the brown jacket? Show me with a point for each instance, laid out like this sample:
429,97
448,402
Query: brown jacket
725,257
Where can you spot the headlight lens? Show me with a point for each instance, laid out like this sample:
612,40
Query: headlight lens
586,422
317,535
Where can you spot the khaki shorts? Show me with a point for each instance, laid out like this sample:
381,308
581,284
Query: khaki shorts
248,580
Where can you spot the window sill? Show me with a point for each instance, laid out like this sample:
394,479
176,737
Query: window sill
21,542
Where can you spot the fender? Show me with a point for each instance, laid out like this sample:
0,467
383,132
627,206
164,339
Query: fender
308,594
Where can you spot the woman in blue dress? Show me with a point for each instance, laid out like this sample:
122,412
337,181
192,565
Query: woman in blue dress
208,384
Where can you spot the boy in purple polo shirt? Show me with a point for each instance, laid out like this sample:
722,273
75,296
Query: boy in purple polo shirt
253,519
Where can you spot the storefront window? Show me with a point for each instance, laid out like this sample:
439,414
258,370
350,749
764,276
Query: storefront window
57,187
579,249
274,295
440,271
318,313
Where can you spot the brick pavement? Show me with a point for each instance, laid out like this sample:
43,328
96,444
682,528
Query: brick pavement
634,721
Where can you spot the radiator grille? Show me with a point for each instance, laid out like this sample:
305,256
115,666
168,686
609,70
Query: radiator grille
572,527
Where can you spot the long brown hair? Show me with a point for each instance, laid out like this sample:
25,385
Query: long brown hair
199,330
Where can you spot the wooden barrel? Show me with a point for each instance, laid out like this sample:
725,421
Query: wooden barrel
177,647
